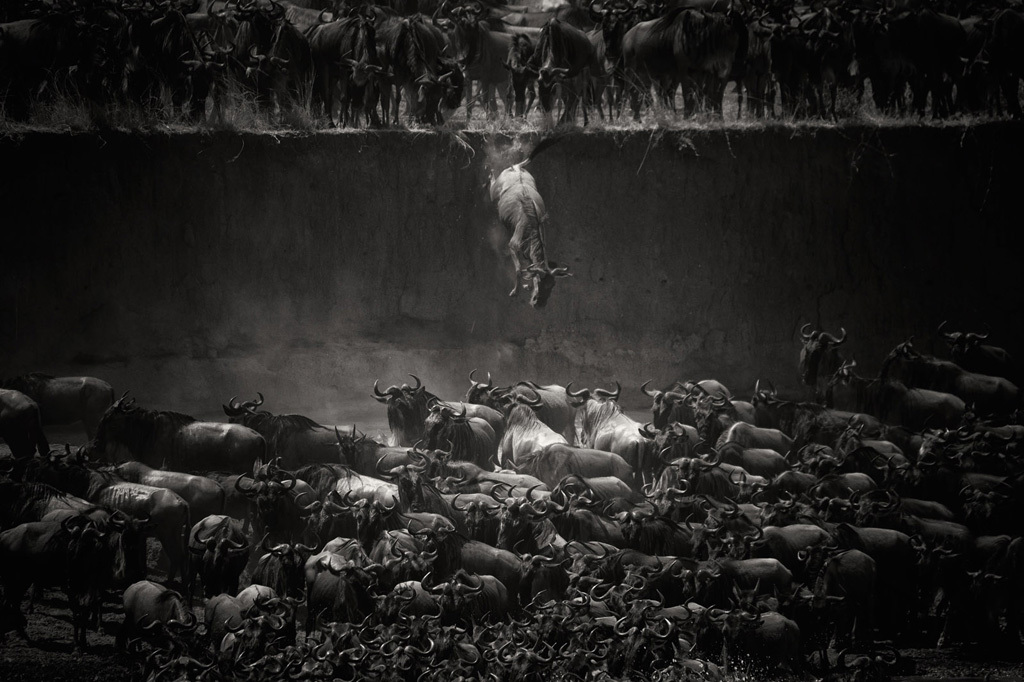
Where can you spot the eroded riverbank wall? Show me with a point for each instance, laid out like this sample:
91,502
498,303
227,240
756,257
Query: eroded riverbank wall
190,267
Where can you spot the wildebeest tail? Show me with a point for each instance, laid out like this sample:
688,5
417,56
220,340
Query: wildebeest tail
39,437
541,146
186,555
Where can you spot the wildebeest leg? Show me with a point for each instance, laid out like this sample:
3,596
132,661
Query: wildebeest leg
79,618
490,99
371,93
467,90
514,249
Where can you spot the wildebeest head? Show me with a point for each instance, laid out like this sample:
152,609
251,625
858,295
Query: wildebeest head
642,636
236,412
370,516
899,361
221,551
282,566
712,415
407,409
452,81
614,18
521,70
960,342
128,544
453,594
479,393
413,485
668,406
478,516
515,523
277,508
816,345
445,425
539,279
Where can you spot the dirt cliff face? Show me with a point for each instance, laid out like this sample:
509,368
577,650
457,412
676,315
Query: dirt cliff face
192,267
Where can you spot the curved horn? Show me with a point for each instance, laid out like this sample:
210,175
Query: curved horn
613,395
836,341
582,393
233,408
378,396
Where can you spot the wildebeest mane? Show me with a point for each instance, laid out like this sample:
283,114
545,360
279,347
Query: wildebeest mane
449,554
441,431
18,500
596,414
666,21
276,428
140,426
321,477
420,54
363,41
74,479
520,416
437,503
409,411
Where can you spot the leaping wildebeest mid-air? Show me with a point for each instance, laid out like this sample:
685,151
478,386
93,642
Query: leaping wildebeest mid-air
522,212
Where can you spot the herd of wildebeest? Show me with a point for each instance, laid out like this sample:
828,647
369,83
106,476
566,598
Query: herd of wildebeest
534,532
351,62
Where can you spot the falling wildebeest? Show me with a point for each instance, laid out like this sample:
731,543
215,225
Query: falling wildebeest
522,212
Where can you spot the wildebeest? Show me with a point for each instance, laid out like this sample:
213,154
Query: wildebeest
411,49
819,358
895,403
296,439
565,57
409,408
71,554
525,433
66,400
35,53
470,439
167,512
482,52
987,394
605,427
174,440
684,46
147,603
522,74
204,496
20,425
968,351
220,552
347,67
521,210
